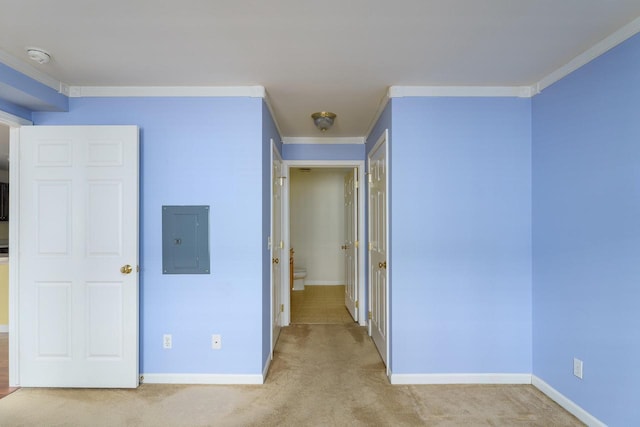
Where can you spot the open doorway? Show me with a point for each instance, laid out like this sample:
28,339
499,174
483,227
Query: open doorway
4,260
10,128
317,229
315,224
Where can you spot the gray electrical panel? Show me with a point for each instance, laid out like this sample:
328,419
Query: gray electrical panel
185,240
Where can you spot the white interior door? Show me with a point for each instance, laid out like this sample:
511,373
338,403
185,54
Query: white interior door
378,240
277,246
78,281
349,247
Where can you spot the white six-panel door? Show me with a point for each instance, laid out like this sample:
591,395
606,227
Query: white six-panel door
378,240
78,280
349,247
277,247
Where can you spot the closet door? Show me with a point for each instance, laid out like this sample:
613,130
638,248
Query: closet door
78,280
378,250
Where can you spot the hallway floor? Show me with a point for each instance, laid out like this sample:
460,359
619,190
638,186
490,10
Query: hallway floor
319,305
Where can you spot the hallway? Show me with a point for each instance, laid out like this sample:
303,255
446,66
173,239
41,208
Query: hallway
319,305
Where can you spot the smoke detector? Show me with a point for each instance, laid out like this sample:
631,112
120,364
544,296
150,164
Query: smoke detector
39,55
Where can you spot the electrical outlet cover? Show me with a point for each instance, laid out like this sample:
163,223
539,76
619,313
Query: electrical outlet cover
166,341
577,367
216,342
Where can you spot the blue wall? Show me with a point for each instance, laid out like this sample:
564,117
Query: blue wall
461,223
586,223
16,110
323,152
204,151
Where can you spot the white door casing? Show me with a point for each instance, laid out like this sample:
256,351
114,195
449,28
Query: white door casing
349,246
277,246
378,247
77,268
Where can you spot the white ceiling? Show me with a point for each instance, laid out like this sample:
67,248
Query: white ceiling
337,55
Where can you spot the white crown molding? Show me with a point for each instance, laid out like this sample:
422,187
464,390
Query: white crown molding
324,140
218,379
30,71
461,91
566,403
168,91
11,120
407,379
624,33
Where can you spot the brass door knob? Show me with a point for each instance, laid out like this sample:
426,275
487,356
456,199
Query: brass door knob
126,269
382,265
275,260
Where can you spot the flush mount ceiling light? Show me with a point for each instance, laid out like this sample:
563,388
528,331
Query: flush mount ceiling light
323,120
38,55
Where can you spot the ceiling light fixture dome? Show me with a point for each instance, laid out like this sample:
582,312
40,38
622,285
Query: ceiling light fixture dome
323,119
39,55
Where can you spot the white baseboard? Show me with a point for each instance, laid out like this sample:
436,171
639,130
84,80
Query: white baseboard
323,282
218,379
4,328
566,403
545,388
460,378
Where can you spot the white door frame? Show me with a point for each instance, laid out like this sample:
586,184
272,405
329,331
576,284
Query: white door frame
275,155
360,164
14,123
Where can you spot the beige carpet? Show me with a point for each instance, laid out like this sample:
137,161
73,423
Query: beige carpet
319,304
322,375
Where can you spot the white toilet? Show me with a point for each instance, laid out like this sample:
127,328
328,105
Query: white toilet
299,275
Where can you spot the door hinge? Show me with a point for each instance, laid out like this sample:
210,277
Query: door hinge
370,178
356,184
357,243
357,304
281,244
370,246
369,315
281,308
